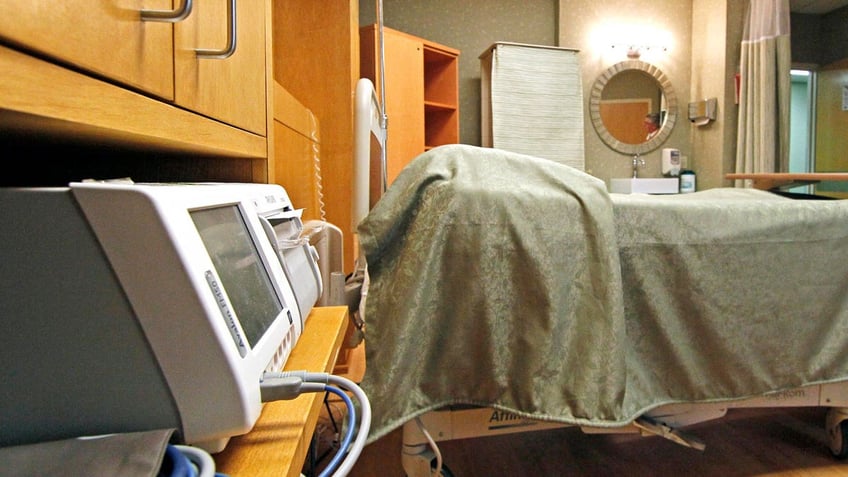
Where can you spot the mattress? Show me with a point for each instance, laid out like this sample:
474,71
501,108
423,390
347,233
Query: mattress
504,280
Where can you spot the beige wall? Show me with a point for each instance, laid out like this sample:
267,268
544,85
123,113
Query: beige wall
715,58
588,26
701,62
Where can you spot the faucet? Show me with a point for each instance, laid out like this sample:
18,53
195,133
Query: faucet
637,161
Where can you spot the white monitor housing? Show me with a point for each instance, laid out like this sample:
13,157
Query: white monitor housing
140,306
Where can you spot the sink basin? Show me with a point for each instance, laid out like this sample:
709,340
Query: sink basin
646,185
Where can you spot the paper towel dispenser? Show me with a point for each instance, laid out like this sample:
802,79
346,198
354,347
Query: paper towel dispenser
702,112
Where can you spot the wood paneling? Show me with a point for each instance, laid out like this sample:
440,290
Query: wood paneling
316,59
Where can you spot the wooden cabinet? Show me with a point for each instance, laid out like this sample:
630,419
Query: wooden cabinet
297,144
96,73
156,57
422,92
230,89
316,59
103,38
91,90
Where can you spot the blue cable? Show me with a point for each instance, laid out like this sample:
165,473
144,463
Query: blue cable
351,422
180,464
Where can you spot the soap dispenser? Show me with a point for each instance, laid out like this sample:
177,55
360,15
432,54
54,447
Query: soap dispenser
670,162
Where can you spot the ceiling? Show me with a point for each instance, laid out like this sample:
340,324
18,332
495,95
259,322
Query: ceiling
815,7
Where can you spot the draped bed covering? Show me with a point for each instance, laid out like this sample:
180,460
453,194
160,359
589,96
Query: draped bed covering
505,280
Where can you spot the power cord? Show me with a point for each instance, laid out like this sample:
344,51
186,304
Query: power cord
291,384
433,446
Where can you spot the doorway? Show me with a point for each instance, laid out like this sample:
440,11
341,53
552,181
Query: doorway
818,121
802,124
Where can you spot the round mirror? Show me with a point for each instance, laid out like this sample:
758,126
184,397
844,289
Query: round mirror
633,107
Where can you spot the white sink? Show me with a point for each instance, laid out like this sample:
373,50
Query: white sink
646,185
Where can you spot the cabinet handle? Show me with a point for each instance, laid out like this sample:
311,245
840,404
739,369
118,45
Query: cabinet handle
228,50
172,16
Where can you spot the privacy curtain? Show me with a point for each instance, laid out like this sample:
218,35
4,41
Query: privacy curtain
764,95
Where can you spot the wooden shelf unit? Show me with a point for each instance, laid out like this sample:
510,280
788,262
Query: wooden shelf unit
422,92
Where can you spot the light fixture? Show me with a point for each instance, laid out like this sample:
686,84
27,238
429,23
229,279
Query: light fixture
632,40
634,51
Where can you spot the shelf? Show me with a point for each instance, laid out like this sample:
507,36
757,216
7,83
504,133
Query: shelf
440,75
421,89
41,97
440,127
441,96
436,106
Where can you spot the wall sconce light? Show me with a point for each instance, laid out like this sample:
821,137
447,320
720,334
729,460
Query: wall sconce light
632,40
634,51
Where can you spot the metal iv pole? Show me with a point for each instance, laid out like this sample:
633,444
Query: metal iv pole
384,120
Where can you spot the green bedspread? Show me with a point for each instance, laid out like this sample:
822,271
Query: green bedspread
504,280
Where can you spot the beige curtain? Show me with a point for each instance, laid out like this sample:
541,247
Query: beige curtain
763,134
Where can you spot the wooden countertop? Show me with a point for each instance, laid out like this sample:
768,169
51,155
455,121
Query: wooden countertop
776,180
279,441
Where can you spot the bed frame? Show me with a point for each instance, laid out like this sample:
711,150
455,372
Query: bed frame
419,455
419,450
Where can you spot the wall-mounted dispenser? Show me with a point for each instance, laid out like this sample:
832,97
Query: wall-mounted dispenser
670,162
702,112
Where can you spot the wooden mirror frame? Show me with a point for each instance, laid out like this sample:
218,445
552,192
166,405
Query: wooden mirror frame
667,91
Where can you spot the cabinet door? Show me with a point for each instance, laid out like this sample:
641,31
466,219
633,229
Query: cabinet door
404,101
231,89
105,38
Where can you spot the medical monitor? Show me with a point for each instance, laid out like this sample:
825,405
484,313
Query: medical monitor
239,265
141,306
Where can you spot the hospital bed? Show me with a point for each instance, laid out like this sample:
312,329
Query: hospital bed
510,293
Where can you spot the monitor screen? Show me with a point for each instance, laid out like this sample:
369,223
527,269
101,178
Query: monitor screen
243,275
